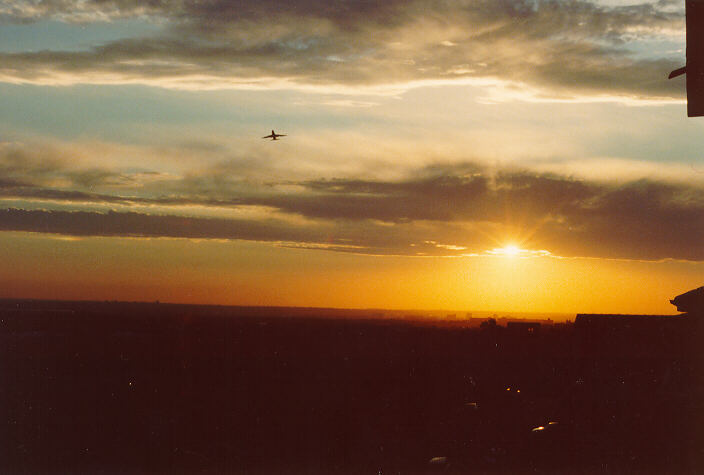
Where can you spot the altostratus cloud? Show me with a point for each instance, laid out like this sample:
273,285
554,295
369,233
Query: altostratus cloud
558,48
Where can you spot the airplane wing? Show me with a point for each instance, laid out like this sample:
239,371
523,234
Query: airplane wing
268,136
281,135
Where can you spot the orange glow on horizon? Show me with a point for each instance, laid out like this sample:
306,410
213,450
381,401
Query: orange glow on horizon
246,273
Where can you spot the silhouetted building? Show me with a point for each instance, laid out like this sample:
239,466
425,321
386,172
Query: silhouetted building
642,335
622,321
690,302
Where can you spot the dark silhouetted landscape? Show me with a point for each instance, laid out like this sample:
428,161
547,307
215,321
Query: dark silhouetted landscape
109,387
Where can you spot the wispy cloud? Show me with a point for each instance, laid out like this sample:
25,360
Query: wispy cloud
77,11
559,50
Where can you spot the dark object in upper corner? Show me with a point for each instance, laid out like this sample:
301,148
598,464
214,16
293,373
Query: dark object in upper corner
690,302
695,58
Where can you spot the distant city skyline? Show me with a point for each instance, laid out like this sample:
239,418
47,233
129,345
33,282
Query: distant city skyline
526,156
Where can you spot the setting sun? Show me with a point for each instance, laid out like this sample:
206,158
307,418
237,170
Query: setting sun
509,250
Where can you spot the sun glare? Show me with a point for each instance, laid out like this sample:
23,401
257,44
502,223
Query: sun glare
511,250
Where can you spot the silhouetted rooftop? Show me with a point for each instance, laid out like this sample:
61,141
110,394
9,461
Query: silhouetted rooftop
690,302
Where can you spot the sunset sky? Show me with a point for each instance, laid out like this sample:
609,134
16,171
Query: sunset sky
516,155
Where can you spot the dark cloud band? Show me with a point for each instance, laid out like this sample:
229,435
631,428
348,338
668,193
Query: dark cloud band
459,214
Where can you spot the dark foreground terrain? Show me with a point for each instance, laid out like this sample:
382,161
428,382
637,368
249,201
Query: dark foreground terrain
124,388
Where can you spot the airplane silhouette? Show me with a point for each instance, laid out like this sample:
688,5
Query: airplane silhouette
273,135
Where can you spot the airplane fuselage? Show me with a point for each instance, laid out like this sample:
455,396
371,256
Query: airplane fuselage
273,136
